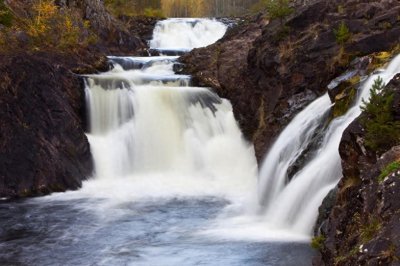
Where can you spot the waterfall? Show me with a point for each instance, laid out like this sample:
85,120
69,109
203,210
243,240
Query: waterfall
293,204
186,34
149,127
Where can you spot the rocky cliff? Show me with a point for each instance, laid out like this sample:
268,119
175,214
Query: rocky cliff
362,227
270,72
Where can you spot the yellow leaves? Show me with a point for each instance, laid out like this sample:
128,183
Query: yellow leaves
54,27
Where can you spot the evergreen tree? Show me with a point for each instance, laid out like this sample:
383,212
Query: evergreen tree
278,9
382,131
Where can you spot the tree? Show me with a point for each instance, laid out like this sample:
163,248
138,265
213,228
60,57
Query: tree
342,34
278,9
382,130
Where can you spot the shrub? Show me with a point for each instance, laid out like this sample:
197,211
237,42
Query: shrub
6,16
121,7
317,242
152,12
342,33
382,131
390,168
278,9
58,28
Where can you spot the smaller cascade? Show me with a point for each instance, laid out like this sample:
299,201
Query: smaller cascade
293,204
290,146
182,35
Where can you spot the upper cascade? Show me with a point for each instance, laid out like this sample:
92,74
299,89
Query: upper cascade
185,34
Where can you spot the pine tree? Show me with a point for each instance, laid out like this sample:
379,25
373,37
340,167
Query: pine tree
382,131
278,9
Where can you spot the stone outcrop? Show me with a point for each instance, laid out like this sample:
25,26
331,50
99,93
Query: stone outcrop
363,226
43,145
275,70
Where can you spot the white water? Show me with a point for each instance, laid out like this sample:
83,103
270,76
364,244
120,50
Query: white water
294,205
152,135
186,34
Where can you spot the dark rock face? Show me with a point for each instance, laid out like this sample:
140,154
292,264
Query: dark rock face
287,61
363,225
223,66
43,145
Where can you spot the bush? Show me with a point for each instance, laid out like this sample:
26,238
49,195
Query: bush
382,131
6,16
318,242
152,12
342,33
47,27
278,8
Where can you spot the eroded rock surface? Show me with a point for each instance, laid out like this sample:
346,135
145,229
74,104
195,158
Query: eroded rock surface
265,69
363,226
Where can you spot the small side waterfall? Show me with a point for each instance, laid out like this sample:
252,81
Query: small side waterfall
293,204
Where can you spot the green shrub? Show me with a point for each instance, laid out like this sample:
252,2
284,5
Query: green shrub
382,131
390,168
342,33
318,242
278,9
153,12
6,17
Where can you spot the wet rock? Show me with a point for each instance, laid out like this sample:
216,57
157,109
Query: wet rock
43,145
363,225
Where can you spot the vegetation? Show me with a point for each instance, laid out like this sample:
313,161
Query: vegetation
382,130
390,168
318,242
179,8
369,229
47,27
278,9
342,33
6,16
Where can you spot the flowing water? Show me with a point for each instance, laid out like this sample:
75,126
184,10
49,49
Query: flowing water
175,183
291,202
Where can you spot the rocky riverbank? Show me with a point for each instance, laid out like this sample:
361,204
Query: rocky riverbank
43,145
270,72
362,225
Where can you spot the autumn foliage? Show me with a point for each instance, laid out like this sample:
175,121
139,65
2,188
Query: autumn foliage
48,27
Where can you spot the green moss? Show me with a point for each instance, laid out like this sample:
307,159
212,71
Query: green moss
318,242
343,101
390,168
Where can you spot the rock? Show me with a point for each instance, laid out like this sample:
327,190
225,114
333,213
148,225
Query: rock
363,225
43,145
285,61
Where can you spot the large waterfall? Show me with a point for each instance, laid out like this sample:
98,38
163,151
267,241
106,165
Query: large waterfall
291,202
158,136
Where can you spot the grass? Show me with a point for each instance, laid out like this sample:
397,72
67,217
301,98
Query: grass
390,168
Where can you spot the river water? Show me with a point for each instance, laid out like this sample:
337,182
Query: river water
175,183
